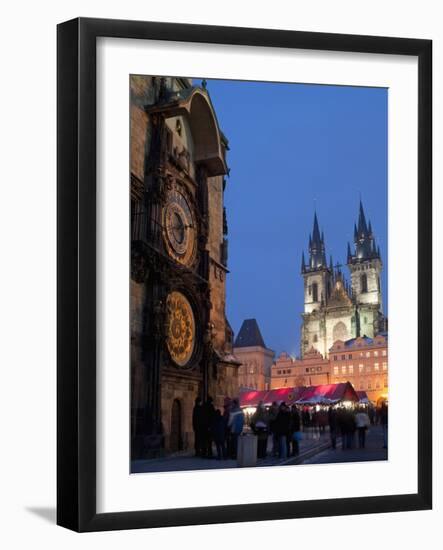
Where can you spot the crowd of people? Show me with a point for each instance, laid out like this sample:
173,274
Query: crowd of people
285,425
212,427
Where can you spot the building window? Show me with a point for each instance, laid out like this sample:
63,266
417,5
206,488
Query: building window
307,370
314,292
289,371
368,354
383,353
360,368
368,368
385,366
279,372
343,357
375,353
315,339
369,385
335,358
351,369
335,370
376,367
350,356
364,283
343,369
385,383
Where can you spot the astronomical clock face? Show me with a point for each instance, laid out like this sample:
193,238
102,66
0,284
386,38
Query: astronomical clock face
180,328
179,228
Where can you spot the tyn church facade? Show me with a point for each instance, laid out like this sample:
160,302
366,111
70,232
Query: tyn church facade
335,309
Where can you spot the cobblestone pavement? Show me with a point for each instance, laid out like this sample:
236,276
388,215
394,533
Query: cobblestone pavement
311,443
373,450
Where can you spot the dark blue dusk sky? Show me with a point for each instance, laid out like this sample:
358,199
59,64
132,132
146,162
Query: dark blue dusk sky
295,148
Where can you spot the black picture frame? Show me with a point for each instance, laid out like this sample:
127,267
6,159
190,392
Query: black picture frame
76,294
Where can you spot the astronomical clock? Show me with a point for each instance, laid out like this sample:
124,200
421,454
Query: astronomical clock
179,227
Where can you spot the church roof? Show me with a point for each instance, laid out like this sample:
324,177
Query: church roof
249,335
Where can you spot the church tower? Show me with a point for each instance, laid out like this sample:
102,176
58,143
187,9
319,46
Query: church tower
317,276
365,266
316,273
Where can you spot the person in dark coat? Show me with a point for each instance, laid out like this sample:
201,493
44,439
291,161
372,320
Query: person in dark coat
227,407
349,428
197,426
283,429
273,412
208,419
383,415
295,430
332,421
260,427
219,434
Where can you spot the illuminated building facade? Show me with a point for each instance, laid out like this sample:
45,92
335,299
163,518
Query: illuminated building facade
333,308
362,361
256,359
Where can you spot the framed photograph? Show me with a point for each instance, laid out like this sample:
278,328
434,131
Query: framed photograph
244,274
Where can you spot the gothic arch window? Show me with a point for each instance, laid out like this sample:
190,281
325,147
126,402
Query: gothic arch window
339,332
364,283
314,292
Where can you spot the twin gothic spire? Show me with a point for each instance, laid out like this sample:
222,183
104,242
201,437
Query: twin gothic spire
364,244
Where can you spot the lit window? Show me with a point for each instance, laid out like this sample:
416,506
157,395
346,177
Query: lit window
343,369
360,368
383,353
318,369
351,369
375,353
376,367
385,366
368,354
335,370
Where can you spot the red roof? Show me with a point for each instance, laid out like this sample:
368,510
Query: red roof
329,393
325,393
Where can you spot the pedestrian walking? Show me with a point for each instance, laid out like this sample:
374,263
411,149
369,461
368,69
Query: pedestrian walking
235,425
219,434
197,426
283,429
295,430
332,421
272,414
260,427
362,424
383,415
207,422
